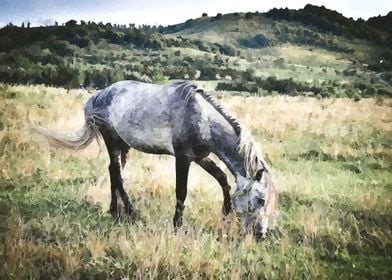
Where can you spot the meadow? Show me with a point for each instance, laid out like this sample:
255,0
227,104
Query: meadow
331,159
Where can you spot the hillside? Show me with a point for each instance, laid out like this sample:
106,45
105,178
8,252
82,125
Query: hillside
311,51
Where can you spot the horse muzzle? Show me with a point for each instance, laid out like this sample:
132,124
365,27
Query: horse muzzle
258,230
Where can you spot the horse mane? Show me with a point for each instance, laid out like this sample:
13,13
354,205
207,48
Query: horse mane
246,147
253,161
186,90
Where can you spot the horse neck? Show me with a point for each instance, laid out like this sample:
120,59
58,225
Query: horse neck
226,148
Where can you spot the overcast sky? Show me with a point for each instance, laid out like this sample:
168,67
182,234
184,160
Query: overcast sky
154,12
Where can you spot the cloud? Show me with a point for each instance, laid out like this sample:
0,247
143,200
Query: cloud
45,22
167,12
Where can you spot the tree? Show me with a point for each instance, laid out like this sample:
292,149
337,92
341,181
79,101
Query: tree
248,15
204,15
70,23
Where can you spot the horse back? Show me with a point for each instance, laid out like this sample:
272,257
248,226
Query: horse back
159,119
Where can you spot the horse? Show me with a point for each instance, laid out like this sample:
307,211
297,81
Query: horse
184,121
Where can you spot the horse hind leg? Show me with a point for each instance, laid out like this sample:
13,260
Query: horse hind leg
117,150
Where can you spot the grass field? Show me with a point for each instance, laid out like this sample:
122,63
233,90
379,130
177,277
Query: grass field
332,162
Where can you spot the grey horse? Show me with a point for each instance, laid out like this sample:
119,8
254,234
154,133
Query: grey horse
181,120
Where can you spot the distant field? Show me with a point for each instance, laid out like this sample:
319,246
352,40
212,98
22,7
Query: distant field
332,162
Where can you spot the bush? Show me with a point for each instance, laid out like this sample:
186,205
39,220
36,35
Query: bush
258,41
271,84
248,15
208,73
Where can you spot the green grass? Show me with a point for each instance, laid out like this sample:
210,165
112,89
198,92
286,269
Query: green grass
331,162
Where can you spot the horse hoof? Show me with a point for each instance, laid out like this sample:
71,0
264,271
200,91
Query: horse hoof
121,215
226,211
129,217
180,230
114,213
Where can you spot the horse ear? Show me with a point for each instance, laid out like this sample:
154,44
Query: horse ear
259,174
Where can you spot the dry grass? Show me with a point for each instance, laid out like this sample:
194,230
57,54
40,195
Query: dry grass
331,160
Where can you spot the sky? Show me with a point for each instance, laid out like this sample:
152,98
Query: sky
164,12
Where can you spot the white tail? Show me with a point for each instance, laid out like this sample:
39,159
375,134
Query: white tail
76,141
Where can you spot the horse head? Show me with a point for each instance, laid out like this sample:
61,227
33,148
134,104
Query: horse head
253,201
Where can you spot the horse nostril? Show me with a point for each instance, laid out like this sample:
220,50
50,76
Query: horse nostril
258,236
258,230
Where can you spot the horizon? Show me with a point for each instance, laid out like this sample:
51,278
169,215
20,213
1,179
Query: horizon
44,13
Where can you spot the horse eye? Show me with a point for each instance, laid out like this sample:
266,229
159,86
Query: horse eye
261,201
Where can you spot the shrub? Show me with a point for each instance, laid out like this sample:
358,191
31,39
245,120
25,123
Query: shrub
258,41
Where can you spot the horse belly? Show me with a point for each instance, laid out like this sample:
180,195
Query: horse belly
148,140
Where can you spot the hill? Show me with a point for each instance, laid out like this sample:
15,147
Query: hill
311,51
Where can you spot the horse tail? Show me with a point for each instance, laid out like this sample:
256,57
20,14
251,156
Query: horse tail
77,140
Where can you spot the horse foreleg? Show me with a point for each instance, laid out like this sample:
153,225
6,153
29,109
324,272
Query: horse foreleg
182,169
210,166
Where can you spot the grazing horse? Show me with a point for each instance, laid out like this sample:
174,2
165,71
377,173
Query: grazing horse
180,120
